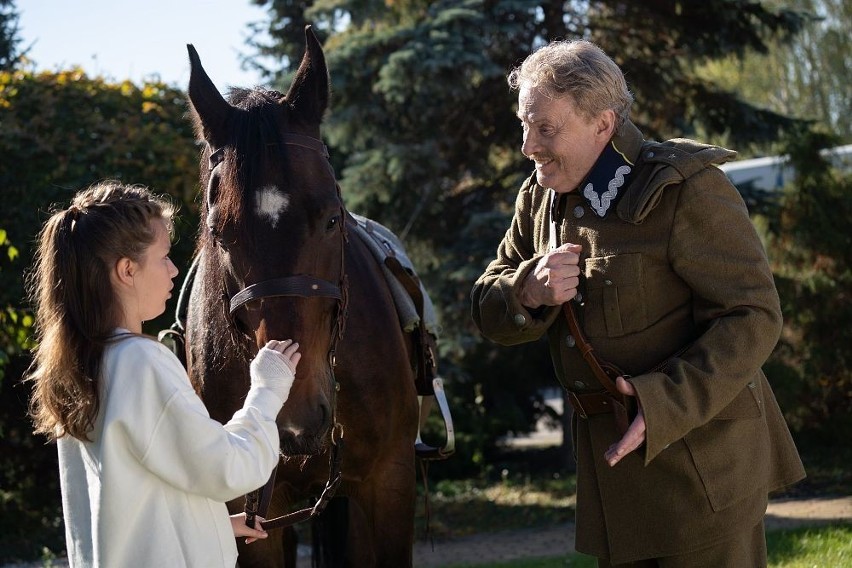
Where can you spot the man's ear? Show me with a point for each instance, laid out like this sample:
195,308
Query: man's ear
606,124
124,270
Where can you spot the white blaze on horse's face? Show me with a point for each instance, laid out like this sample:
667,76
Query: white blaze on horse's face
271,203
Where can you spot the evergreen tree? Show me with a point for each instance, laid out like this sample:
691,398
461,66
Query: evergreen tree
421,111
807,77
809,242
9,39
425,139
285,33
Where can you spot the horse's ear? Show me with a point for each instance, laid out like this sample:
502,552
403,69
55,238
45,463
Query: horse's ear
211,109
309,92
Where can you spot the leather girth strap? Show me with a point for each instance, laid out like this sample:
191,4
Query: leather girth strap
606,373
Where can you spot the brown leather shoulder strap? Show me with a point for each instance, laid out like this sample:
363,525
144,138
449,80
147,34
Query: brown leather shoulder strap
604,372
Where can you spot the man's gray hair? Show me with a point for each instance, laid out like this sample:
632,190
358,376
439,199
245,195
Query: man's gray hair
578,69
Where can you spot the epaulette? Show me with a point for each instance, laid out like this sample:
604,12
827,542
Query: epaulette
662,164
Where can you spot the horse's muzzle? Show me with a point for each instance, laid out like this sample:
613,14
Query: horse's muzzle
304,429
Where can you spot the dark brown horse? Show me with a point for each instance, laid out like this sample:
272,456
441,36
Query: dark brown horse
276,260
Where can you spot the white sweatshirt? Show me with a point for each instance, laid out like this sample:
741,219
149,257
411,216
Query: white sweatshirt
149,489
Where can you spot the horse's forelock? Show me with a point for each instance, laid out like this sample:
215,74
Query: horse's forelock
255,144
247,99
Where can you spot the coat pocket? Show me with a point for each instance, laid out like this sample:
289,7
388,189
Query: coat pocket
615,303
731,452
747,404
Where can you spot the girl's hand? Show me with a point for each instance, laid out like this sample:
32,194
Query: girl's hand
289,350
238,524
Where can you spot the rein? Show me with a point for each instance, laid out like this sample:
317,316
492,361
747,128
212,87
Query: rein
305,286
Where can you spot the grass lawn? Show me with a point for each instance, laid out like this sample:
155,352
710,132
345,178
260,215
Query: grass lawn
465,507
808,547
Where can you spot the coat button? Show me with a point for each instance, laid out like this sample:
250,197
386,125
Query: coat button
579,385
579,211
519,319
649,155
578,297
570,341
608,282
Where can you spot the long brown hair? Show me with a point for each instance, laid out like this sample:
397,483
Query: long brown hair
76,307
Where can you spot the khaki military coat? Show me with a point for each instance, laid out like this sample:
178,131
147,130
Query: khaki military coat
675,273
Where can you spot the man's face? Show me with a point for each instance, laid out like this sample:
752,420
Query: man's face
563,143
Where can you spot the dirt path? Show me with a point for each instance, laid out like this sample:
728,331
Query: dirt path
559,539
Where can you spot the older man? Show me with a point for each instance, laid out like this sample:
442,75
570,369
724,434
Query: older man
639,261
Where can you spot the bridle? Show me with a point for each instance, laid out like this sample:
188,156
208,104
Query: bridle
303,286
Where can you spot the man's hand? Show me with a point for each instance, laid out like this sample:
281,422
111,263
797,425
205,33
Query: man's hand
635,435
555,278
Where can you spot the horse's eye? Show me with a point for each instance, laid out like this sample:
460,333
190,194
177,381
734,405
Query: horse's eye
332,223
213,223
214,232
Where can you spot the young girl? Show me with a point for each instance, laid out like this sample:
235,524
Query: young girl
144,470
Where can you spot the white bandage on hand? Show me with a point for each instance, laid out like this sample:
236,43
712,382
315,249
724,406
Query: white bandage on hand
274,371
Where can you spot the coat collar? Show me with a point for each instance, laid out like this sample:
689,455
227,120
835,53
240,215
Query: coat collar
613,169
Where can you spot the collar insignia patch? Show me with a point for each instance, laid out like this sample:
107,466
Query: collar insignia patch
610,172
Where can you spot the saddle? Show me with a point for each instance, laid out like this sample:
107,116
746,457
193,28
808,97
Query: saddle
417,318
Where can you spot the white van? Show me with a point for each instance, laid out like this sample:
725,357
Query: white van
774,172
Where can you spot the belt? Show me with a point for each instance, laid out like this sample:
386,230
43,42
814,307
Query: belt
603,402
590,404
